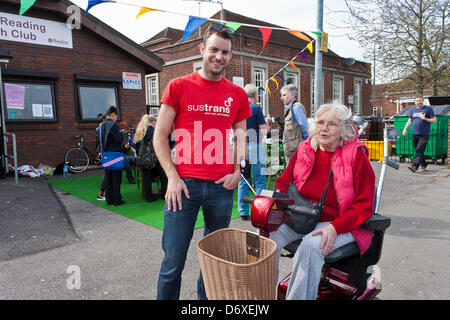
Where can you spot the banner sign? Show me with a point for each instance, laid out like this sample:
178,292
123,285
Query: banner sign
131,80
35,31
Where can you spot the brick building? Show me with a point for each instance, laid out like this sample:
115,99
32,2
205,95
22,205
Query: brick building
58,80
343,79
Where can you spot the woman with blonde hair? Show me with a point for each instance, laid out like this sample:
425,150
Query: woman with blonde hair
143,139
332,159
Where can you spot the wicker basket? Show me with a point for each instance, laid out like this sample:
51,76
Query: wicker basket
230,272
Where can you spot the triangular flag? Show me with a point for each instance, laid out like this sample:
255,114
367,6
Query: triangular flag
25,5
319,34
266,32
145,10
286,70
261,89
267,87
282,79
304,56
193,24
273,79
310,47
291,63
233,25
300,35
92,3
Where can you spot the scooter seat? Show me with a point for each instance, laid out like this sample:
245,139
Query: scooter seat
343,252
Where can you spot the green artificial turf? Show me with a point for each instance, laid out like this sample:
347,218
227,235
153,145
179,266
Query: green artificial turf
135,207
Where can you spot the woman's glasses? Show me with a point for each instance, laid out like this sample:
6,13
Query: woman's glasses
220,27
331,125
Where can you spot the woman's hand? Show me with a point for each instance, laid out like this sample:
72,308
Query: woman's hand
329,236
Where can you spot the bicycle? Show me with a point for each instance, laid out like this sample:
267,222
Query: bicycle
78,157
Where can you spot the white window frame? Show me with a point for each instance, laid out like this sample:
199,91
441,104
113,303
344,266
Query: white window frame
311,79
337,93
262,69
295,75
152,96
357,94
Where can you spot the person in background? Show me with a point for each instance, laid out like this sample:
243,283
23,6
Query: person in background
144,135
295,121
101,193
112,140
420,116
256,130
333,145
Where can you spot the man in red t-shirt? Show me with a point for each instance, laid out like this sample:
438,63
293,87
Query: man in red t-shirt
202,108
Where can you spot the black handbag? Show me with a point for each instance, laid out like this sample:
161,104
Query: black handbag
305,223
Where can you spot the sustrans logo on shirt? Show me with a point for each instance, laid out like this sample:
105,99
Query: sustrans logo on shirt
213,110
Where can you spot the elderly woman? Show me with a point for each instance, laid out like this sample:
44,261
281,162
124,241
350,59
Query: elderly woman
349,200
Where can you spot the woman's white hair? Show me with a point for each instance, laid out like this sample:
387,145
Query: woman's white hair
342,113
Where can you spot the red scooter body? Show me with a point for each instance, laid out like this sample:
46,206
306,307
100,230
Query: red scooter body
269,213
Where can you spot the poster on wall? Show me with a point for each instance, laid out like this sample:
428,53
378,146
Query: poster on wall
36,31
15,96
131,80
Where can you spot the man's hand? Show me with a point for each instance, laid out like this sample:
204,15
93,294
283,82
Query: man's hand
173,194
405,132
230,181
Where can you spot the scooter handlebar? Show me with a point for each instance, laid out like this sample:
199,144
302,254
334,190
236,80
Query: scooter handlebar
303,210
248,199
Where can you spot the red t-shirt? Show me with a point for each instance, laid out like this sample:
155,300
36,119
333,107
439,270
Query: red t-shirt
205,112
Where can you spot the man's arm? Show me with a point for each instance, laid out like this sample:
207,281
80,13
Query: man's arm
407,125
300,118
175,185
231,181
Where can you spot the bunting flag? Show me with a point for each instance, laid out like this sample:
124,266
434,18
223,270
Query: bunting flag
193,24
319,34
267,87
233,25
25,5
291,63
310,47
300,35
303,56
279,76
266,32
92,3
273,79
145,10
261,89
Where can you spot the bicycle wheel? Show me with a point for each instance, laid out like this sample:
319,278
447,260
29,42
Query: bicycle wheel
77,159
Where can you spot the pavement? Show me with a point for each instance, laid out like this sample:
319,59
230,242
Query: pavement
56,246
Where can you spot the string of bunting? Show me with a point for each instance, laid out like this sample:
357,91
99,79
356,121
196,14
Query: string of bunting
303,54
194,23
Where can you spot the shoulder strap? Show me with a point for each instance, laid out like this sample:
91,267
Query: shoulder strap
101,138
324,194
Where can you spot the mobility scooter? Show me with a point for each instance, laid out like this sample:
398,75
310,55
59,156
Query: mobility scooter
346,275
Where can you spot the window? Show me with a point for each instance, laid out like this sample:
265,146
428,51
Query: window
29,101
259,77
338,89
293,77
152,89
357,84
375,111
94,100
312,84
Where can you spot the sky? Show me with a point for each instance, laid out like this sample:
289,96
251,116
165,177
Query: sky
293,14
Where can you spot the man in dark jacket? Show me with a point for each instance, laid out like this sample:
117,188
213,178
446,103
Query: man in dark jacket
112,139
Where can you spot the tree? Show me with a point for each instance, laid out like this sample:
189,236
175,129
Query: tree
410,39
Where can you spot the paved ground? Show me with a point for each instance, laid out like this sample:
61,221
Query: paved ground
47,236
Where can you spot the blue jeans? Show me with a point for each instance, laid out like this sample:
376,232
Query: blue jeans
217,205
257,162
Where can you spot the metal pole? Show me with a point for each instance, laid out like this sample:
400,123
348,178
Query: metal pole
373,88
3,124
318,61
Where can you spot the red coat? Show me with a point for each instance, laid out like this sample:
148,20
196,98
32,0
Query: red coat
355,188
